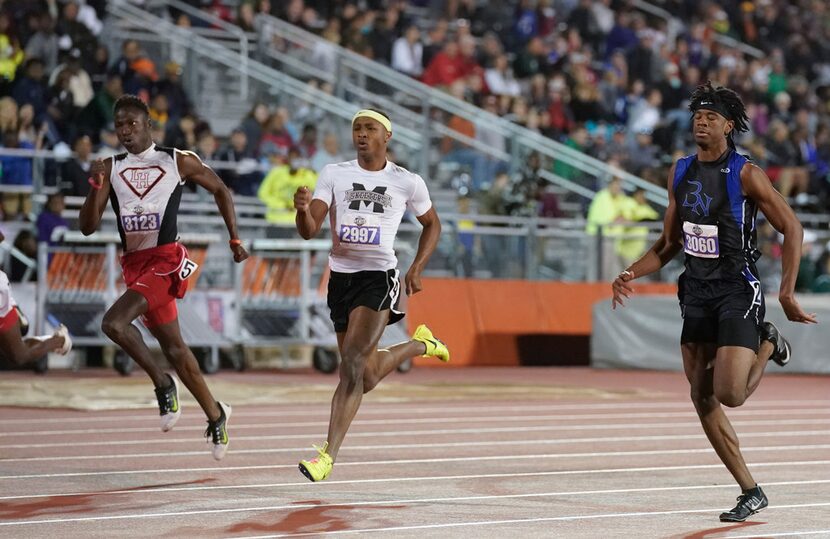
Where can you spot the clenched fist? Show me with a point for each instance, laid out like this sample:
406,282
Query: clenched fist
97,170
302,199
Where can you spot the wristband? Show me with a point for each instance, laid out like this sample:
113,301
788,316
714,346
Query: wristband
95,185
629,273
235,242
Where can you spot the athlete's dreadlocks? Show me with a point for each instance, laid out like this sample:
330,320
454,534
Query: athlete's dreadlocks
725,102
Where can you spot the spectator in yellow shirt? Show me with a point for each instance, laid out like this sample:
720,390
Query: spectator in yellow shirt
635,208
277,191
606,209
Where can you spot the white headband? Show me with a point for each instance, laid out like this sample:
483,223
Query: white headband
368,113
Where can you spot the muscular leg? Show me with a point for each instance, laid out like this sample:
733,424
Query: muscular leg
701,375
738,372
357,346
182,359
21,351
386,360
118,326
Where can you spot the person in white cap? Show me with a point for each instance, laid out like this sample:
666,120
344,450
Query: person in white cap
367,197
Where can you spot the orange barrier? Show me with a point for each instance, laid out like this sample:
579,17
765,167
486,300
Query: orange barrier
482,320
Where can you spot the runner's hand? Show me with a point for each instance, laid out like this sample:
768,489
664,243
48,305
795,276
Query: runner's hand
413,281
302,199
621,288
239,252
97,170
794,311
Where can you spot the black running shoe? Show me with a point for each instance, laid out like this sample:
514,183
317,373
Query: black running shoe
781,354
217,432
749,503
169,408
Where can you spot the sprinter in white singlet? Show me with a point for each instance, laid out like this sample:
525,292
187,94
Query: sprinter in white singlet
366,200
144,186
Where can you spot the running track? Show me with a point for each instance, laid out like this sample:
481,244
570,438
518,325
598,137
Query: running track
616,454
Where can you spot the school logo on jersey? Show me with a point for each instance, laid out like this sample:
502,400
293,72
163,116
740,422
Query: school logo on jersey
697,201
141,180
377,197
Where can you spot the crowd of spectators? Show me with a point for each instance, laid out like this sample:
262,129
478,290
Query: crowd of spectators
58,85
598,75
606,78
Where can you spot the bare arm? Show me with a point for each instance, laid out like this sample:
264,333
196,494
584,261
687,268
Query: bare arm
664,249
96,200
193,169
310,213
758,187
426,245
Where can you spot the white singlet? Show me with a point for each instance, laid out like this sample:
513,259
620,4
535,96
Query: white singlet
145,195
365,211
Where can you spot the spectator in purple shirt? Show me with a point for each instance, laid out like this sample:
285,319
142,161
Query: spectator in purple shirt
50,218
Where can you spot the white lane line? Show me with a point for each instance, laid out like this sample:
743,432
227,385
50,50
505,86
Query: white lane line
448,499
784,534
433,445
441,432
425,420
544,519
411,479
413,461
371,408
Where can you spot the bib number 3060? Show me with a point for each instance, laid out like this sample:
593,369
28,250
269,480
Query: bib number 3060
187,269
701,240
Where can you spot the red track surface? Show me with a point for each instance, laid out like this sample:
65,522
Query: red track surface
635,464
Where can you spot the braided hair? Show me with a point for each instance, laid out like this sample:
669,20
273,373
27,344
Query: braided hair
725,102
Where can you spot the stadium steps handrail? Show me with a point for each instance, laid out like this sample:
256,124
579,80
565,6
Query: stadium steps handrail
436,98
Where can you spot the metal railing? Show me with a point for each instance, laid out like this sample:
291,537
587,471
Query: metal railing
674,22
203,49
422,109
356,77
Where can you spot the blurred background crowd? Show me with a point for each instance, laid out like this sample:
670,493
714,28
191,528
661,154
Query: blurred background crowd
604,77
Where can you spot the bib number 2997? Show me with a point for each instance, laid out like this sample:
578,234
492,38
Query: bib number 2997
365,235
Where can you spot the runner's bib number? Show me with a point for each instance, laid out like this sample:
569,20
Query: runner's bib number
701,240
141,223
187,269
360,229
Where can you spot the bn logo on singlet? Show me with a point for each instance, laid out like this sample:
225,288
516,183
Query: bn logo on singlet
377,197
698,202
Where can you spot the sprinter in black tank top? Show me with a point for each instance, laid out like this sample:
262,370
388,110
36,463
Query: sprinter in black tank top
713,199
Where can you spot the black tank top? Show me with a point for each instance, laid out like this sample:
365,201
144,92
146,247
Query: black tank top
717,219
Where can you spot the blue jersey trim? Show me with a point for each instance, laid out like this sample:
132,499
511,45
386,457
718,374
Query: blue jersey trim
681,168
733,187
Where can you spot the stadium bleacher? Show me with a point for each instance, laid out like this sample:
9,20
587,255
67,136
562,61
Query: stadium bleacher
606,78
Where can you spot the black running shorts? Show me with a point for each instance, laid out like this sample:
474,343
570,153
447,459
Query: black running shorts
728,313
378,290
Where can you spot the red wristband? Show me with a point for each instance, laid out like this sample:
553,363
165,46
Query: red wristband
235,242
94,184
